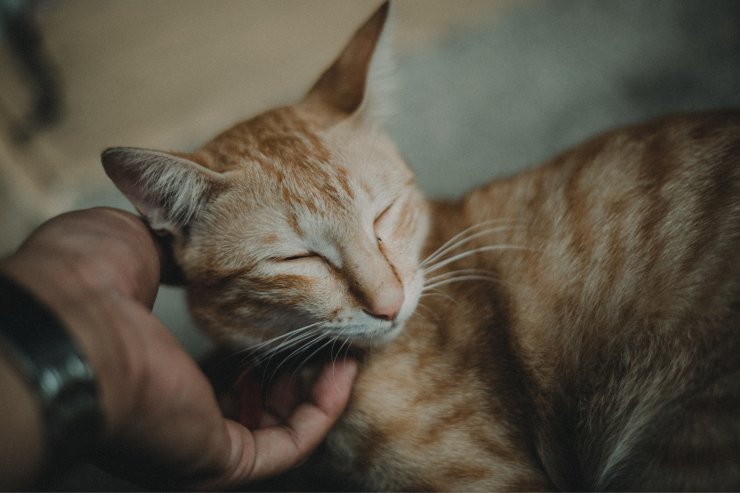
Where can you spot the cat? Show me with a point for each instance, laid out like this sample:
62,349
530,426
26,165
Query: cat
576,326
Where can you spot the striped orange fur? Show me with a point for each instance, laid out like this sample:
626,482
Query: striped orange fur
576,326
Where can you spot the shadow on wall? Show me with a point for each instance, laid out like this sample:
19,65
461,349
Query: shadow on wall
489,102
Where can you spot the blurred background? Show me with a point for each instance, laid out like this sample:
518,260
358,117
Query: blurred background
79,75
486,87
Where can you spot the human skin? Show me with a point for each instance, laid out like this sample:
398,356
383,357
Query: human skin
98,270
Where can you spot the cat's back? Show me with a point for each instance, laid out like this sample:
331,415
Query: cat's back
646,216
604,355
626,305
655,204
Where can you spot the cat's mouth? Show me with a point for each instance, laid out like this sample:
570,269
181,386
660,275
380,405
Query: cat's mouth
323,337
365,336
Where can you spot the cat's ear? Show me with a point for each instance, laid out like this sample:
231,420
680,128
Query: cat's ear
359,81
168,190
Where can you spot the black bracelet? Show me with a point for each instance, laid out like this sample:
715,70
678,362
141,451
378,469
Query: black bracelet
57,371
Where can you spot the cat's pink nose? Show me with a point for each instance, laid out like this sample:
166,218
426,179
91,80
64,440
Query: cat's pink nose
386,304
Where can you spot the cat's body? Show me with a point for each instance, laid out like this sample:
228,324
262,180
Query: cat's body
606,357
575,327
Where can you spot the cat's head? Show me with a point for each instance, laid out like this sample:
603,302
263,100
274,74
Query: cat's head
304,216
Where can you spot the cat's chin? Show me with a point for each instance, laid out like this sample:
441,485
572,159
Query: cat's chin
375,338
357,337
391,335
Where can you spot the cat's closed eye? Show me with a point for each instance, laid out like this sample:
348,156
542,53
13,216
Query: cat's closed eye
384,212
384,221
300,256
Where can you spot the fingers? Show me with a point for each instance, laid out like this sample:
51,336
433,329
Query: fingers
98,248
128,246
275,449
331,391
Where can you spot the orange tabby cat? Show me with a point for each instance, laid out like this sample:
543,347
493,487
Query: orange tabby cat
576,326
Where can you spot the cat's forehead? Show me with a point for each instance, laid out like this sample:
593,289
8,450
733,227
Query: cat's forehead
299,159
278,137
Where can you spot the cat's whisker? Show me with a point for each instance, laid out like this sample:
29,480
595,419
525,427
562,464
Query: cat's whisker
345,341
419,305
298,339
291,336
433,292
468,239
301,348
335,356
288,343
488,222
345,344
460,239
331,350
446,245
488,248
265,353
461,278
492,223
307,358
453,273
282,336
269,353
456,237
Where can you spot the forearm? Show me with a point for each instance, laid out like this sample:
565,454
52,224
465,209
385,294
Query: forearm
50,411
21,449
92,270
87,293
85,314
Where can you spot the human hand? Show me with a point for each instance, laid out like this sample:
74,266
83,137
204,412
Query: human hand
98,270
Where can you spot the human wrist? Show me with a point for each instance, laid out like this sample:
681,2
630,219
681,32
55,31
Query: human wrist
93,268
57,376
20,427
84,313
